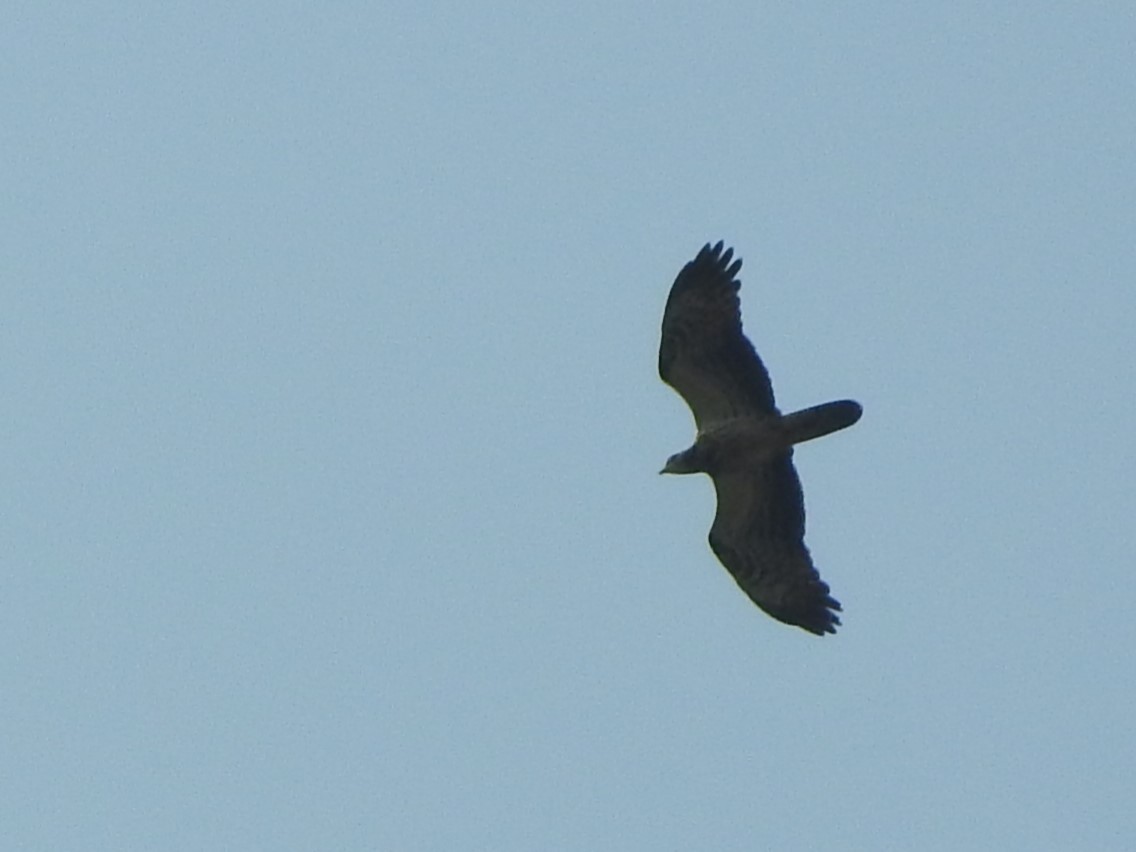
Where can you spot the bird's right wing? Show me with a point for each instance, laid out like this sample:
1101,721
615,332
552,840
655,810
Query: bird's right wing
703,354
758,534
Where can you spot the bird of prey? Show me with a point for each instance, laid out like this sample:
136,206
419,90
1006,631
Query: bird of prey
745,444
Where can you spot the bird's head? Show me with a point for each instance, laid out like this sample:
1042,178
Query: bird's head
685,462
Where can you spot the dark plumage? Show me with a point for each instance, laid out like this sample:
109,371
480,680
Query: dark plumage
745,444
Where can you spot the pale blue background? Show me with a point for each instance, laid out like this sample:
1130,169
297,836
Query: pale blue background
330,516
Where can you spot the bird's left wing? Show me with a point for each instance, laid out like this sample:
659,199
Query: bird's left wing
703,353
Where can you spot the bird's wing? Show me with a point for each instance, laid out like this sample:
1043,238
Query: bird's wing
703,354
758,534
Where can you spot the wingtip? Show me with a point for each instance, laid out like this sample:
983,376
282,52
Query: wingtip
820,618
826,627
721,256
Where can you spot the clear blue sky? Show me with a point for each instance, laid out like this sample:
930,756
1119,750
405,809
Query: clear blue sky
330,516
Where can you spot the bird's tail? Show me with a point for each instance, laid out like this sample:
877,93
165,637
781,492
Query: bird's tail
821,420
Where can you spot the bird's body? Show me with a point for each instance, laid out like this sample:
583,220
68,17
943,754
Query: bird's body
744,441
745,444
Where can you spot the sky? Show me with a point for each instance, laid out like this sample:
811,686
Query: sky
330,514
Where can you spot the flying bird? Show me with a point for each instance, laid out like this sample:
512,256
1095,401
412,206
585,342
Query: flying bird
745,444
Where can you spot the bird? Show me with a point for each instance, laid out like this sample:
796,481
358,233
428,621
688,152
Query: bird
745,444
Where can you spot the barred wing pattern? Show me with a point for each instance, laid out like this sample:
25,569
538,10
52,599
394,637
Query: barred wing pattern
704,355
758,534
